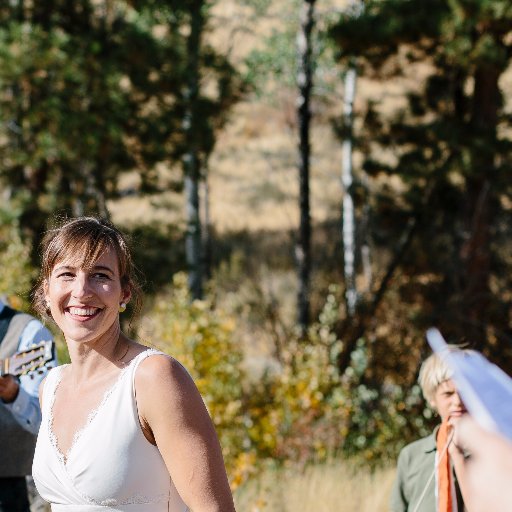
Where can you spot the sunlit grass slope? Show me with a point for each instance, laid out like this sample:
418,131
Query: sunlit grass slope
322,488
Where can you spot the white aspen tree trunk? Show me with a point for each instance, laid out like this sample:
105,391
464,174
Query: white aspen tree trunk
349,231
349,221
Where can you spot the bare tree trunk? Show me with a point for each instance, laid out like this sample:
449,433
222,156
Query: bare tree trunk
351,332
305,83
207,225
191,159
476,252
364,236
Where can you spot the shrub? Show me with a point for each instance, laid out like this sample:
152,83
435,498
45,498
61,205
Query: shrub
299,410
200,337
16,272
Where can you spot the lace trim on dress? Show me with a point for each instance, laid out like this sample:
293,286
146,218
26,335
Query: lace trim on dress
51,434
53,438
136,499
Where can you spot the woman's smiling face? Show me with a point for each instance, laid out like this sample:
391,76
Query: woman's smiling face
84,302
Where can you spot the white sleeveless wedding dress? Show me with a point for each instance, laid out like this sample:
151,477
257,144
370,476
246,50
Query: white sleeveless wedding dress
110,466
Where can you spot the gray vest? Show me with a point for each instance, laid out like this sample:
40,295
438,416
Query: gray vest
16,444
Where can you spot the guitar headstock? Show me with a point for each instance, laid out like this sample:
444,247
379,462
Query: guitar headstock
28,361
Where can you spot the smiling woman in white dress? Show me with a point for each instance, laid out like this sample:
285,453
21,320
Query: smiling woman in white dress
124,427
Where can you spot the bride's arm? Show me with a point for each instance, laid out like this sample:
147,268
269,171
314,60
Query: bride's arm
173,414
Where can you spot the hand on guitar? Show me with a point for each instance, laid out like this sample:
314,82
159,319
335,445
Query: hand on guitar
9,388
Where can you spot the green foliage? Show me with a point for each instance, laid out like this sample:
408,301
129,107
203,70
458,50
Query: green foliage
16,273
88,92
297,411
75,106
260,7
383,416
446,148
378,31
275,63
322,414
271,69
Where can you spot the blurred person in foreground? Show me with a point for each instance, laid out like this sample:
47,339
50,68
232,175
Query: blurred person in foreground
124,427
430,471
487,466
484,435
20,415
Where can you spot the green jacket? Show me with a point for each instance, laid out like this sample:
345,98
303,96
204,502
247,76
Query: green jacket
414,468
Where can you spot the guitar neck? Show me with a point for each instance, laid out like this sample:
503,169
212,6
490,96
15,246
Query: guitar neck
28,361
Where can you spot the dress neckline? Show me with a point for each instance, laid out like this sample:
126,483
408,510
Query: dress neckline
64,457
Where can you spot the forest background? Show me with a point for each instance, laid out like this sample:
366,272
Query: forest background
308,186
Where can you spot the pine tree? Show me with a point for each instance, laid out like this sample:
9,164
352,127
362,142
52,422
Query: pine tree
91,90
452,157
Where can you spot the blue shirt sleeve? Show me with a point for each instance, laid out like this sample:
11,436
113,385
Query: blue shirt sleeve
25,408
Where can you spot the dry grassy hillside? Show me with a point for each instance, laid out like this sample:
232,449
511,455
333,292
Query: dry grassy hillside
253,172
253,169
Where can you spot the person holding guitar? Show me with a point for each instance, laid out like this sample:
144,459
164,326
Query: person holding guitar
20,414
124,427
